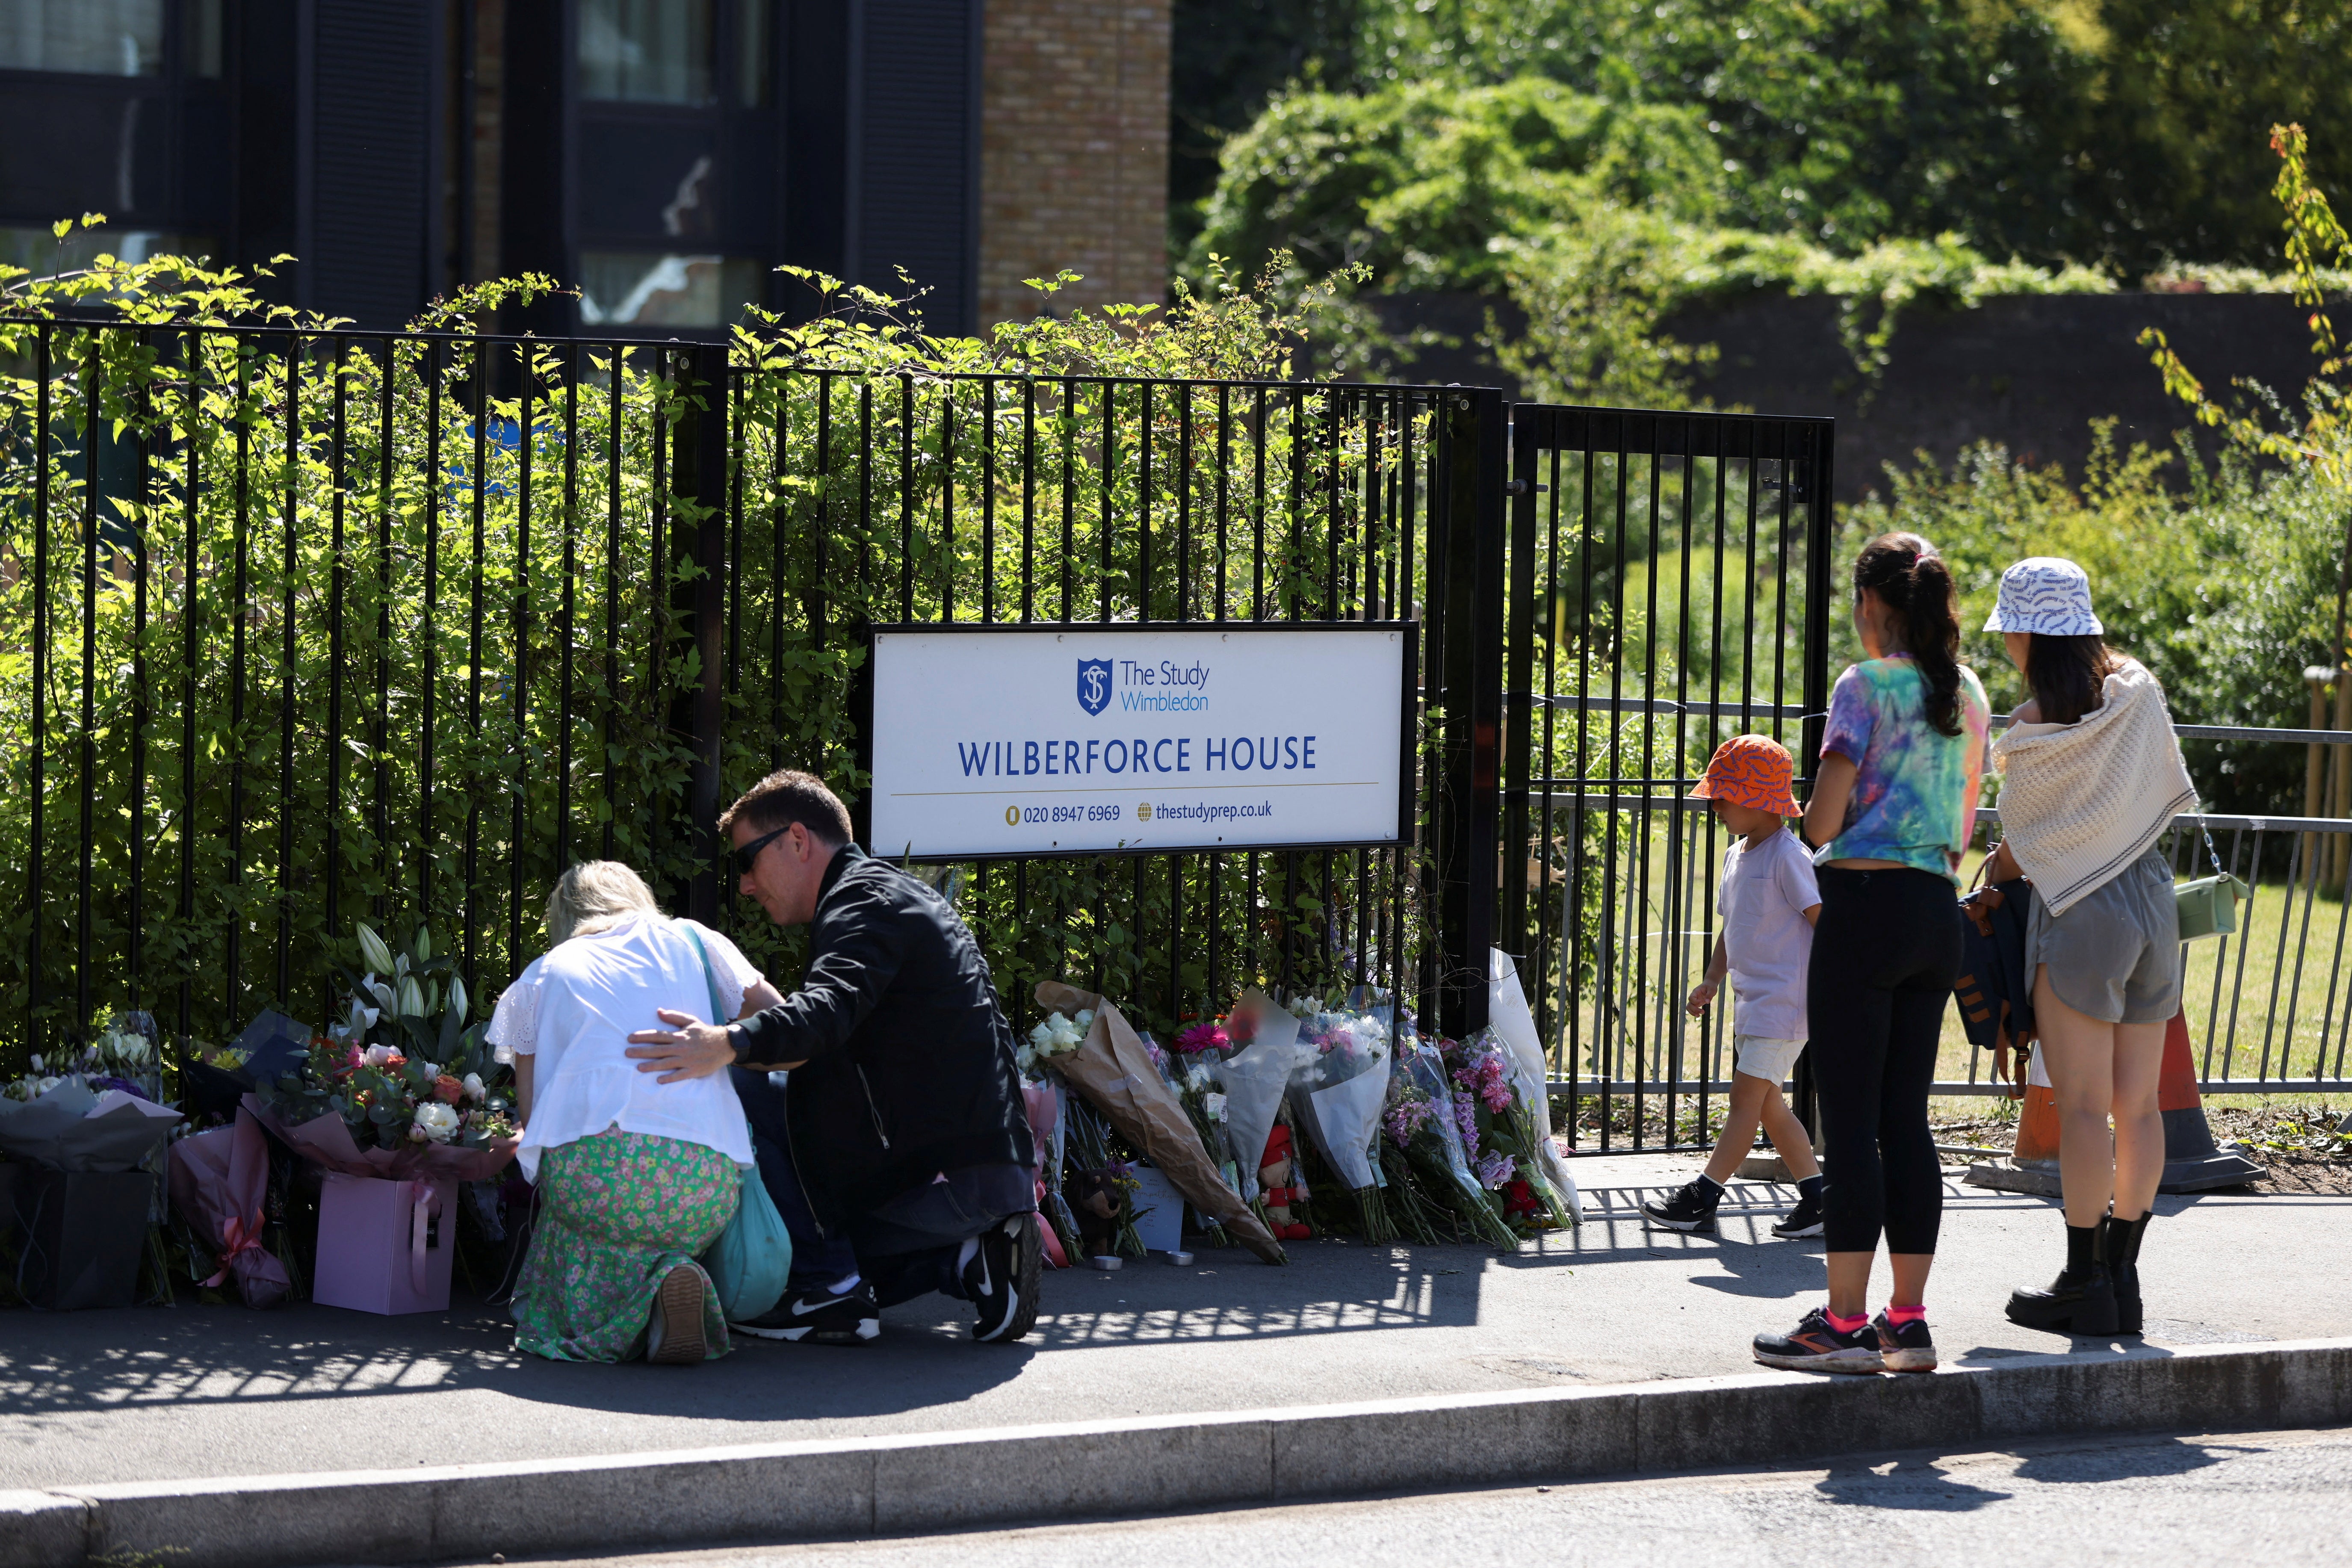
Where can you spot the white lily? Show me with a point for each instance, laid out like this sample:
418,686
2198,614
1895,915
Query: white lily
457,997
374,951
411,997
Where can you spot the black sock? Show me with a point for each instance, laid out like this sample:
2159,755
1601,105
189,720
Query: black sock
1809,1189
1708,1188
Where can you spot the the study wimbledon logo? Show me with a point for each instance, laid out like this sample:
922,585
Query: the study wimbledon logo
1094,684
1164,688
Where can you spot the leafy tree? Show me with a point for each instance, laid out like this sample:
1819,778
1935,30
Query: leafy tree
2107,132
1416,181
1227,58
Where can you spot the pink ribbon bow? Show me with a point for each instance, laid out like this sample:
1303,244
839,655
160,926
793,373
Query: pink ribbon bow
236,1238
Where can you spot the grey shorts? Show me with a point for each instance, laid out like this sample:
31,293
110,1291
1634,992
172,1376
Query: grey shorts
2116,955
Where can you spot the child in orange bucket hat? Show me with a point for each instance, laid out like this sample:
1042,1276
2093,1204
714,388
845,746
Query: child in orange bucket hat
1768,903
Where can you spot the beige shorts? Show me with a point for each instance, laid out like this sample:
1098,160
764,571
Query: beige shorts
1771,1060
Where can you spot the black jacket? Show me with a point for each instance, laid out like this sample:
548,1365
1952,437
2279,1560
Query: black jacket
910,1065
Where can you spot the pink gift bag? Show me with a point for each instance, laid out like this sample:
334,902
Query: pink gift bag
386,1247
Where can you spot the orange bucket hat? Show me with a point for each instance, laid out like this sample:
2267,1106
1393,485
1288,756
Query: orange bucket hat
1751,771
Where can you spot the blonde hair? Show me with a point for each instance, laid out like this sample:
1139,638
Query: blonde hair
594,896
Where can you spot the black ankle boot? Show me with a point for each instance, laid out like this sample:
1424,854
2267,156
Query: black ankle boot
2121,1247
2082,1300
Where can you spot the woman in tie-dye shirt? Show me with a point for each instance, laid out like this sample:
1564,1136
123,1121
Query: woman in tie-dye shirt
1893,804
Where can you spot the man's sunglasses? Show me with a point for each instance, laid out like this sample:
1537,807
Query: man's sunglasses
746,854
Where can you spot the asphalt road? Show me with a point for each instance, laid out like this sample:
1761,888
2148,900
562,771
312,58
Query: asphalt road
2271,1497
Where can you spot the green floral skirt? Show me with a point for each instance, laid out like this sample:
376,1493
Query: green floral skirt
616,1213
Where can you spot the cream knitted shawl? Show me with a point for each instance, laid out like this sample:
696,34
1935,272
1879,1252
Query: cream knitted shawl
2080,802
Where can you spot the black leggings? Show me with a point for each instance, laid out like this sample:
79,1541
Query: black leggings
1885,956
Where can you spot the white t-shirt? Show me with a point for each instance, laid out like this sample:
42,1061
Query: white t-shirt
573,1009
1766,893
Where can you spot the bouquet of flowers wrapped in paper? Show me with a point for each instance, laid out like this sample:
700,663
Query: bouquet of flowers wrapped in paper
1110,1068
1421,1131
1339,1087
1501,1135
401,1086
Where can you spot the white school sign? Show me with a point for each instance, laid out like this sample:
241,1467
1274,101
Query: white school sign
1081,739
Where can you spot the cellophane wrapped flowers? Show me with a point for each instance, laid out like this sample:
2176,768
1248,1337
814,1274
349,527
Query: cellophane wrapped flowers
1500,1134
1423,1142
1190,1071
121,1053
1338,1089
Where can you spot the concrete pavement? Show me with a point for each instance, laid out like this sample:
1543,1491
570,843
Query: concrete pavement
156,1394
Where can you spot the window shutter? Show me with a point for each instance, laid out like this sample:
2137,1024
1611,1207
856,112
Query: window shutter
918,156
370,181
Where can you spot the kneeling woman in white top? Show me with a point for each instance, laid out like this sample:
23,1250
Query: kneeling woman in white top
635,1175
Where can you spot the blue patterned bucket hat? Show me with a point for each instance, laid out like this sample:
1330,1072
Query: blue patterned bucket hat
2045,594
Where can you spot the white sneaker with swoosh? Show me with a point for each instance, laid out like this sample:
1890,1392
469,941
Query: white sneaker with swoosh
821,1318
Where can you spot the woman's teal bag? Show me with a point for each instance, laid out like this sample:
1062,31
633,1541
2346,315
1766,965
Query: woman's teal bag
751,1262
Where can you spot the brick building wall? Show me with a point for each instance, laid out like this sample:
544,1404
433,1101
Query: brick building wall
1074,151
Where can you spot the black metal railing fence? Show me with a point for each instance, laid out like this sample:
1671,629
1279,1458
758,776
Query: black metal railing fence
299,627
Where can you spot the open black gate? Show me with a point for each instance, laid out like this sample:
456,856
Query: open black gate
1668,585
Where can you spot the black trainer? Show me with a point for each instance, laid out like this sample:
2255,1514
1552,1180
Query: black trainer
1805,1219
1691,1208
1814,1346
820,1317
1904,1349
1002,1277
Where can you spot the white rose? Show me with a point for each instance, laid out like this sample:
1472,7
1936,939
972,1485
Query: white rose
439,1122
474,1087
376,1056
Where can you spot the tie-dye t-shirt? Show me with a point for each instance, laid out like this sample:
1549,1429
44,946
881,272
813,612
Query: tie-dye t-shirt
1915,802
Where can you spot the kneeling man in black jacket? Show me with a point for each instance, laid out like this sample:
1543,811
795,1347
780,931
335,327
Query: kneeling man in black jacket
883,1092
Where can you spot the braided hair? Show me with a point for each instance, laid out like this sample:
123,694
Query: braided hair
1913,581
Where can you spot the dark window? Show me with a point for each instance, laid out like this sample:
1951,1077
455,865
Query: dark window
90,37
641,289
647,51
751,51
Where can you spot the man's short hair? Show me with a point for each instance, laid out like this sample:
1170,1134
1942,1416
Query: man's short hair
786,797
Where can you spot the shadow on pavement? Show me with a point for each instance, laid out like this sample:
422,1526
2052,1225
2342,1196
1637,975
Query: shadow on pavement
1911,1483
2140,1458
98,1361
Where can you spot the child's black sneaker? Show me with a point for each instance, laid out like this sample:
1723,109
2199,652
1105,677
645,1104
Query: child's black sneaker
1691,1208
1814,1346
1904,1349
1805,1219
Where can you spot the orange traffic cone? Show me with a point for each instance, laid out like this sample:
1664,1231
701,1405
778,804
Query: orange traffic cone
2191,1161
2032,1162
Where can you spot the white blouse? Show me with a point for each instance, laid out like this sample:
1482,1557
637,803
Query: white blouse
573,1009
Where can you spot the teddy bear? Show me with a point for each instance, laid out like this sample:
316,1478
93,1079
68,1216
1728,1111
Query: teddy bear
1278,1175
1094,1202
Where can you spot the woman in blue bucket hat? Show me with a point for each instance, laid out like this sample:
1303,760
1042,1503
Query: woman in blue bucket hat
2092,776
